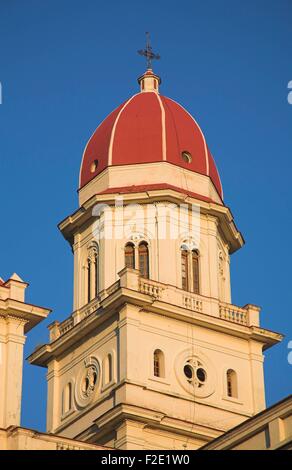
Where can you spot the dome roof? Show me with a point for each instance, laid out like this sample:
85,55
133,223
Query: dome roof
148,128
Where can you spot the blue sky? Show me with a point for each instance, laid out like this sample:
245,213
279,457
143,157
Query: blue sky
64,65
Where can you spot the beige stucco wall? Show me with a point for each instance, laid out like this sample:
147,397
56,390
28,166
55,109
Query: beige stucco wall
16,438
131,337
131,317
150,222
12,340
149,174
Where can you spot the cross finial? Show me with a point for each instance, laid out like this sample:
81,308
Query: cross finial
148,53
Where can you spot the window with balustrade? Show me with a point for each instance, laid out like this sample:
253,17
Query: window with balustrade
130,255
190,270
140,255
195,271
184,270
143,256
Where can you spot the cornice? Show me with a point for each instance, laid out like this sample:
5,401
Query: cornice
215,211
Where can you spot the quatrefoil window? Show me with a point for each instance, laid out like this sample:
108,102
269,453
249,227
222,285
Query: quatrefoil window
195,373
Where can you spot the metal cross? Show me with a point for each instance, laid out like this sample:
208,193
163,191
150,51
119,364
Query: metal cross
148,53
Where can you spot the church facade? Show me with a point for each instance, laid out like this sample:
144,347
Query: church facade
154,355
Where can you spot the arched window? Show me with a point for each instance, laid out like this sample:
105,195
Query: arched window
130,256
89,280
108,369
231,383
190,273
67,398
96,274
195,271
92,273
144,259
158,363
184,270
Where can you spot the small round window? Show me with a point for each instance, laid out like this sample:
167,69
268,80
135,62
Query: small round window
186,156
195,373
93,166
188,371
201,375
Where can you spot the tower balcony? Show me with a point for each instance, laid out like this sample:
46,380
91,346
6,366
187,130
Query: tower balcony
169,301
128,321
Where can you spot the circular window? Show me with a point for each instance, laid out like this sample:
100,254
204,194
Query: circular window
201,375
195,373
93,166
186,156
188,370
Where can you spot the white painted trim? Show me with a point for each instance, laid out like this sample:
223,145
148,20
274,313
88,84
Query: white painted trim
163,128
110,150
205,143
83,155
84,151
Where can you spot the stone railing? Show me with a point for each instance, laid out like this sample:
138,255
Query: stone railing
247,315
85,311
58,329
152,288
17,438
131,280
173,295
192,302
66,325
233,313
111,290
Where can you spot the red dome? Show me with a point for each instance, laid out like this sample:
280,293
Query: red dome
148,128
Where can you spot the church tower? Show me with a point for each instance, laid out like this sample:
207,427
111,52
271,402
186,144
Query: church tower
154,355
17,318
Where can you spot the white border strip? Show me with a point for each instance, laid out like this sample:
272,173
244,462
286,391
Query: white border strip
163,127
205,143
84,151
110,150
